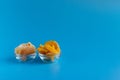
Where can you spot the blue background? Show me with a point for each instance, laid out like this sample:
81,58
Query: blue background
88,32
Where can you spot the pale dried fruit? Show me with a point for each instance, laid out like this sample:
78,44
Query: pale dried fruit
25,49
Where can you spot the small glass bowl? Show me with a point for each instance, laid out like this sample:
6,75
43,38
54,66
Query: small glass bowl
48,59
22,57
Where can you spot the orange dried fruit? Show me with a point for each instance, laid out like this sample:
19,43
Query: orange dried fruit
42,50
51,48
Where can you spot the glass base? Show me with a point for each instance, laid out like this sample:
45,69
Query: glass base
25,57
47,59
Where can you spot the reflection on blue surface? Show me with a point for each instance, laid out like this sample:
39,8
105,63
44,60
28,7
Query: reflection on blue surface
87,31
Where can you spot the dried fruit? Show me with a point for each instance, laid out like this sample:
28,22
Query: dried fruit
25,49
50,48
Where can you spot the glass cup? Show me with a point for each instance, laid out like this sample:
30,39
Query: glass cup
23,57
48,59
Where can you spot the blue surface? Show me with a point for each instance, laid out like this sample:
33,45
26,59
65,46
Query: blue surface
88,32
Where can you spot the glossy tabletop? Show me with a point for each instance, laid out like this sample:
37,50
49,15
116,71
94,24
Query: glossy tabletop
88,32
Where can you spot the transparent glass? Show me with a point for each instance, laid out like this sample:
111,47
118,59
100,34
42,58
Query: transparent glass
25,57
45,58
